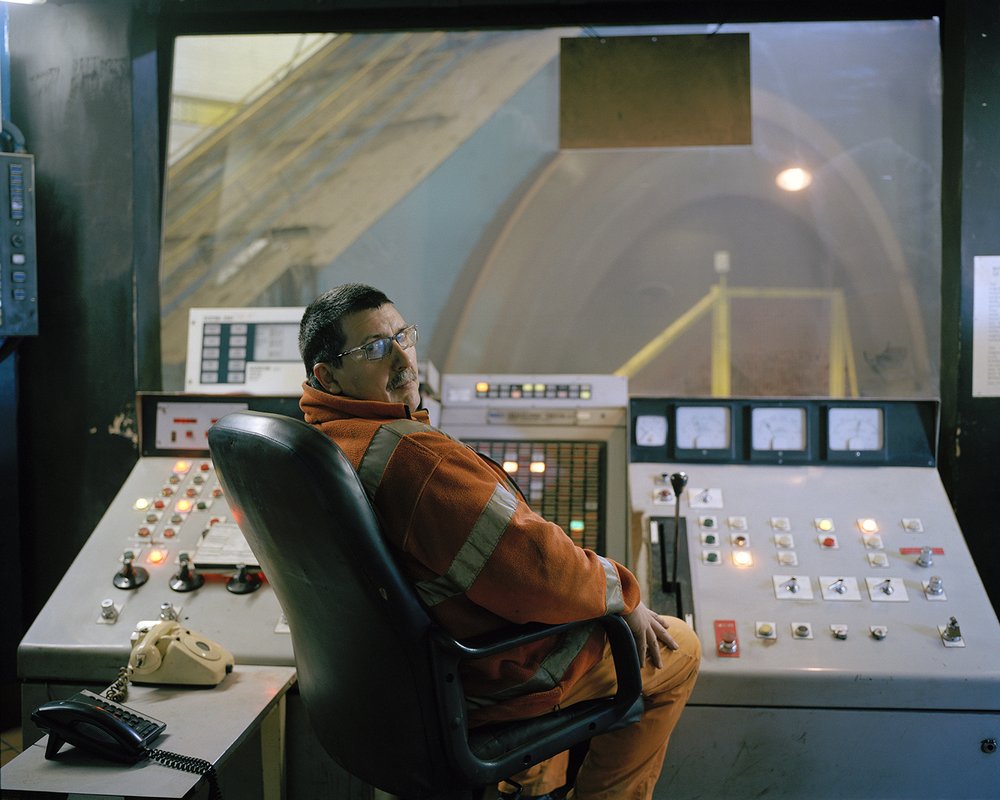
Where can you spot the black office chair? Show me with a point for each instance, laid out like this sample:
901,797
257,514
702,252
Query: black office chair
378,677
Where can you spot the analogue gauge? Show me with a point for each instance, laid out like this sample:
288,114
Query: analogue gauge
650,430
703,427
778,428
855,428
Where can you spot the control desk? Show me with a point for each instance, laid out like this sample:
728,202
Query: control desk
848,642
167,547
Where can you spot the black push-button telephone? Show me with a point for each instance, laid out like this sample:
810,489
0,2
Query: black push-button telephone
114,731
97,724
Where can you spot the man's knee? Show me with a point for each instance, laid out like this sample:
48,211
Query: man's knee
687,640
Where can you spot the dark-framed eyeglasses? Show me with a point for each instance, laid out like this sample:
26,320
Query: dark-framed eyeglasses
380,348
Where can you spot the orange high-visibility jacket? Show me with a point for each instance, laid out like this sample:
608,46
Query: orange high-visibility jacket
478,556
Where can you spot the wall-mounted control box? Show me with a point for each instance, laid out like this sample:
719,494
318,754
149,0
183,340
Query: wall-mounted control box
18,258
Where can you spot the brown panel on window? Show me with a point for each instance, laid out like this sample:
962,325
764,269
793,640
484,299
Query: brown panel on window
655,91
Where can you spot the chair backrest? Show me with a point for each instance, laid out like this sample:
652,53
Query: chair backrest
359,633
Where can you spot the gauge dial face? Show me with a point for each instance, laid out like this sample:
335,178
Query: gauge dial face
778,428
703,427
855,428
650,430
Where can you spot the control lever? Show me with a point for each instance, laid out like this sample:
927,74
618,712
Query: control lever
244,581
186,579
129,576
678,481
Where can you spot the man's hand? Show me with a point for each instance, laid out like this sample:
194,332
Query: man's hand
649,629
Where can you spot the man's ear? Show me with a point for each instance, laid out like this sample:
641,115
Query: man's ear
324,375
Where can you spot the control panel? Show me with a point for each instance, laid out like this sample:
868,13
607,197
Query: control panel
18,257
833,593
166,548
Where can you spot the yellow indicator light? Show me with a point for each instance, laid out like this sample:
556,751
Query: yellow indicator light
156,556
510,467
482,387
527,387
824,524
868,525
539,387
537,467
585,394
743,558
184,506
182,466
141,504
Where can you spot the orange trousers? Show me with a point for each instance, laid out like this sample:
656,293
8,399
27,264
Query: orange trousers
625,764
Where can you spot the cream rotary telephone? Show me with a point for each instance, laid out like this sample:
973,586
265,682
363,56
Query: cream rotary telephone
170,653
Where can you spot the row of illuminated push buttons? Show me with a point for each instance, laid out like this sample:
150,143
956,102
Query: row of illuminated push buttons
177,501
784,542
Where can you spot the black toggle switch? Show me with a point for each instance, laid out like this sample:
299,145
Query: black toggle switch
244,581
130,576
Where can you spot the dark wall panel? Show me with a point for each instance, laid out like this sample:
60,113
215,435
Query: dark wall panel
970,435
71,95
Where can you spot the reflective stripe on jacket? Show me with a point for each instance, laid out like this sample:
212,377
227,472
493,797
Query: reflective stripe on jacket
478,556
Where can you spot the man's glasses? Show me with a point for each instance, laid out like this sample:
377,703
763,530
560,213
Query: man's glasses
380,348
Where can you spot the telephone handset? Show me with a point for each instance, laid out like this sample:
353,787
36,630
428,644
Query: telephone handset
97,724
170,653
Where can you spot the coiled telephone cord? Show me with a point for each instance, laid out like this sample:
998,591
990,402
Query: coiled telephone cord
198,766
118,691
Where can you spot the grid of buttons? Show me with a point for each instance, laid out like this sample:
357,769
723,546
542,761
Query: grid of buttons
560,480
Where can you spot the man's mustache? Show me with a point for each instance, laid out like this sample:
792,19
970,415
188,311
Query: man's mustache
404,376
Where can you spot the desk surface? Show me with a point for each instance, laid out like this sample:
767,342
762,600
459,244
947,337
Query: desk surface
206,723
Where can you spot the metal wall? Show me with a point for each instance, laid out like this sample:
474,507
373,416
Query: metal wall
74,98
970,435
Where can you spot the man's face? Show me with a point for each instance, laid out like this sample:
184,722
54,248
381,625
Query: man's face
392,378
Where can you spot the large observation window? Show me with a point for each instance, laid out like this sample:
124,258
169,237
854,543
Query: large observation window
806,263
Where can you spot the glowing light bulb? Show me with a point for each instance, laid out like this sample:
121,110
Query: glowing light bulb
510,467
793,179
868,525
537,467
184,506
743,558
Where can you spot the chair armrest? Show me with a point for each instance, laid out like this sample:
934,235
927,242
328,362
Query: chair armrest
499,751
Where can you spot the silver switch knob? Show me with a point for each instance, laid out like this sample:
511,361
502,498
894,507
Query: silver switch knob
108,610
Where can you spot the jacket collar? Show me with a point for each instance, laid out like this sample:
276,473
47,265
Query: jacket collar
319,407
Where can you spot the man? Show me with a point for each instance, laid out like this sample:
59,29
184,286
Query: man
480,558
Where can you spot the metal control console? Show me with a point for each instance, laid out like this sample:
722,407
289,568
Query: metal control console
167,547
849,647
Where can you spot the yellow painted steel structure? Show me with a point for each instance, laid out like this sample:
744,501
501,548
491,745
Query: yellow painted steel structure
843,376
